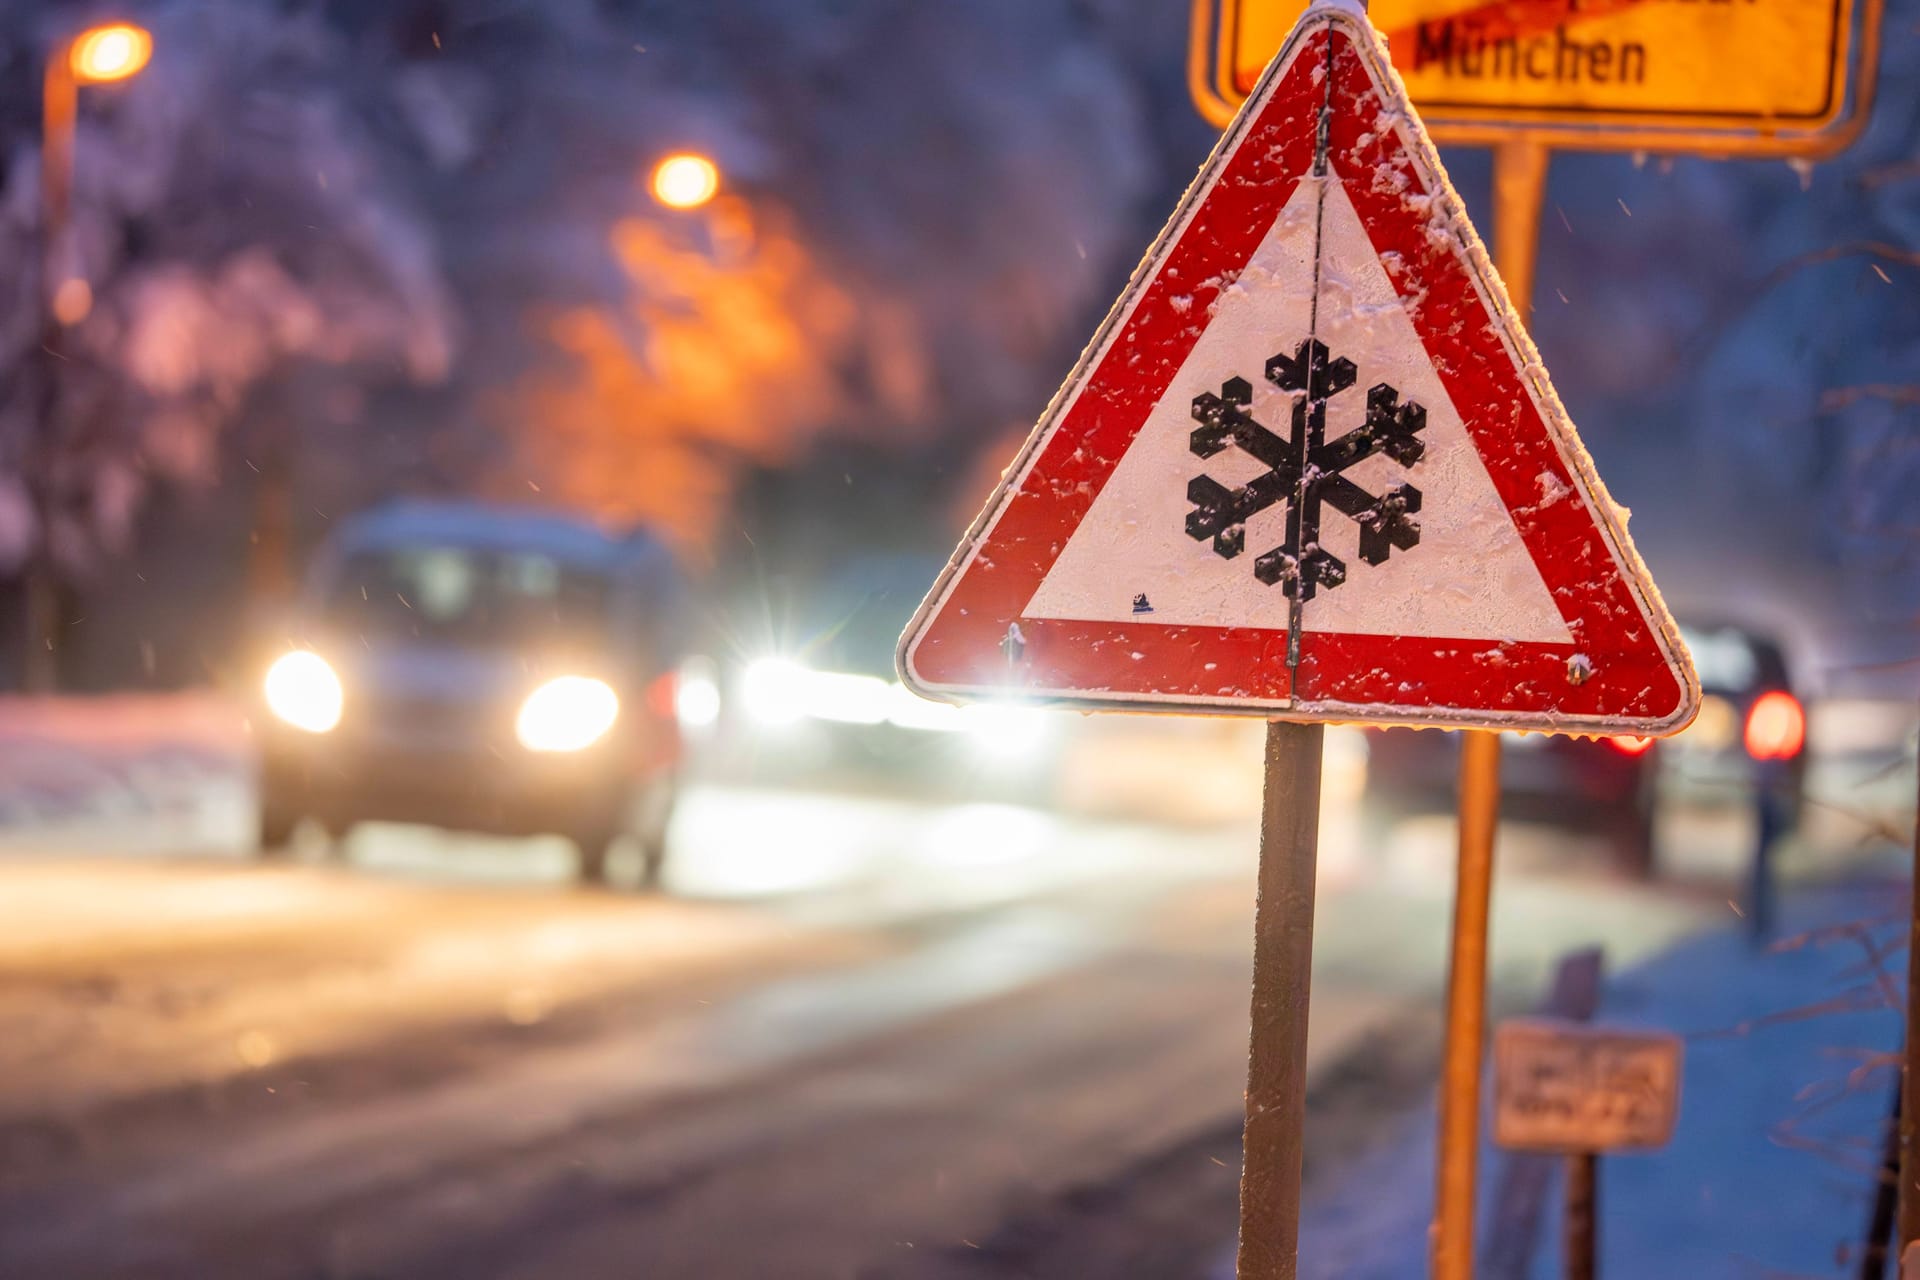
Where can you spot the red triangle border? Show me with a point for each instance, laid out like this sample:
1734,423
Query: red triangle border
969,639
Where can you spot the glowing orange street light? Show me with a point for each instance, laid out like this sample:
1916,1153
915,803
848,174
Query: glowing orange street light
101,55
98,55
685,181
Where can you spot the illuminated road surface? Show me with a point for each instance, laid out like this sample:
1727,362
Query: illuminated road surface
862,1038
859,1037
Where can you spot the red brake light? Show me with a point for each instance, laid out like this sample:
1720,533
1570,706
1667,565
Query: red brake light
662,693
1776,727
1628,745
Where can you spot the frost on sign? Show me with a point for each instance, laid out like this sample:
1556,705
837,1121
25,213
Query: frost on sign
1311,467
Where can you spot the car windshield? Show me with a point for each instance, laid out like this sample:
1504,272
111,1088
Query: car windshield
466,596
1731,661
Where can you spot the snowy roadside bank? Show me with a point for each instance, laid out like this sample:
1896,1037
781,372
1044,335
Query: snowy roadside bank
159,772
1771,1169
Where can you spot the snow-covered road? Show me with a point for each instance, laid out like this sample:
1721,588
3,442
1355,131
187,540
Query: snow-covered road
410,1067
861,1036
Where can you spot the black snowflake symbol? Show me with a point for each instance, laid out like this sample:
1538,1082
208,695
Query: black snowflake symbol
1301,563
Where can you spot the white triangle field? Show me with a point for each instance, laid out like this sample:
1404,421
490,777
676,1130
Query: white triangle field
1470,577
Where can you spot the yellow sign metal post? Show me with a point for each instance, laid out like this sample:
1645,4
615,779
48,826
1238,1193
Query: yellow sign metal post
1784,78
1519,187
1719,77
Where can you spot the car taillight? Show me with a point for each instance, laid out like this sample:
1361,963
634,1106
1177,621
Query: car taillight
1776,727
662,694
1628,745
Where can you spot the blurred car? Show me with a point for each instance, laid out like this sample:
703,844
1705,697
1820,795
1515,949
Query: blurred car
1751,730
484,669
814,701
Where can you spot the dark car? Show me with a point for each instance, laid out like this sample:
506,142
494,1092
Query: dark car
481,669
1751,725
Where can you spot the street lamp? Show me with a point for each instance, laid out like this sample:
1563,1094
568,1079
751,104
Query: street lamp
99,55
685,180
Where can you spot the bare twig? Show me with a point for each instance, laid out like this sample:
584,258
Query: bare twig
1857,1000
1883,174
1833,1152
1737,305
1836,399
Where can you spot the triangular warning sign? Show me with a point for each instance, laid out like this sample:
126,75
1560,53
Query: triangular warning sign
1311,466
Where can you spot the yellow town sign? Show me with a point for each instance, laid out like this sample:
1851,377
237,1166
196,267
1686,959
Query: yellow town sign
1725,76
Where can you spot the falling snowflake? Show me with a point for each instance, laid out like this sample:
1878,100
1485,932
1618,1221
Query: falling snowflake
1305,471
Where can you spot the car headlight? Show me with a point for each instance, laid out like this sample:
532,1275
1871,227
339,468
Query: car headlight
771,690
696,694
568,713
302,690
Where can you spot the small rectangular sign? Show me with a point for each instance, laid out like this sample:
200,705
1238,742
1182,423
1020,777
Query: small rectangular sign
1563,1086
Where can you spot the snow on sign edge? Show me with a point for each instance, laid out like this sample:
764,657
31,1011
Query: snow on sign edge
1609,519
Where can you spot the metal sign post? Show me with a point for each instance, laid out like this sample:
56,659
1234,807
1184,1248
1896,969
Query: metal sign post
1282,962
1519,188
1580,1238
1459,1144
1520,1194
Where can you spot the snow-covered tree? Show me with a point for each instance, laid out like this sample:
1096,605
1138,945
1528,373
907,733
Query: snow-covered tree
234,213
413,243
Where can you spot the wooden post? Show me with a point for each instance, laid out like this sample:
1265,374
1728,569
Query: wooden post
1519,187
1583,1215
1282,968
